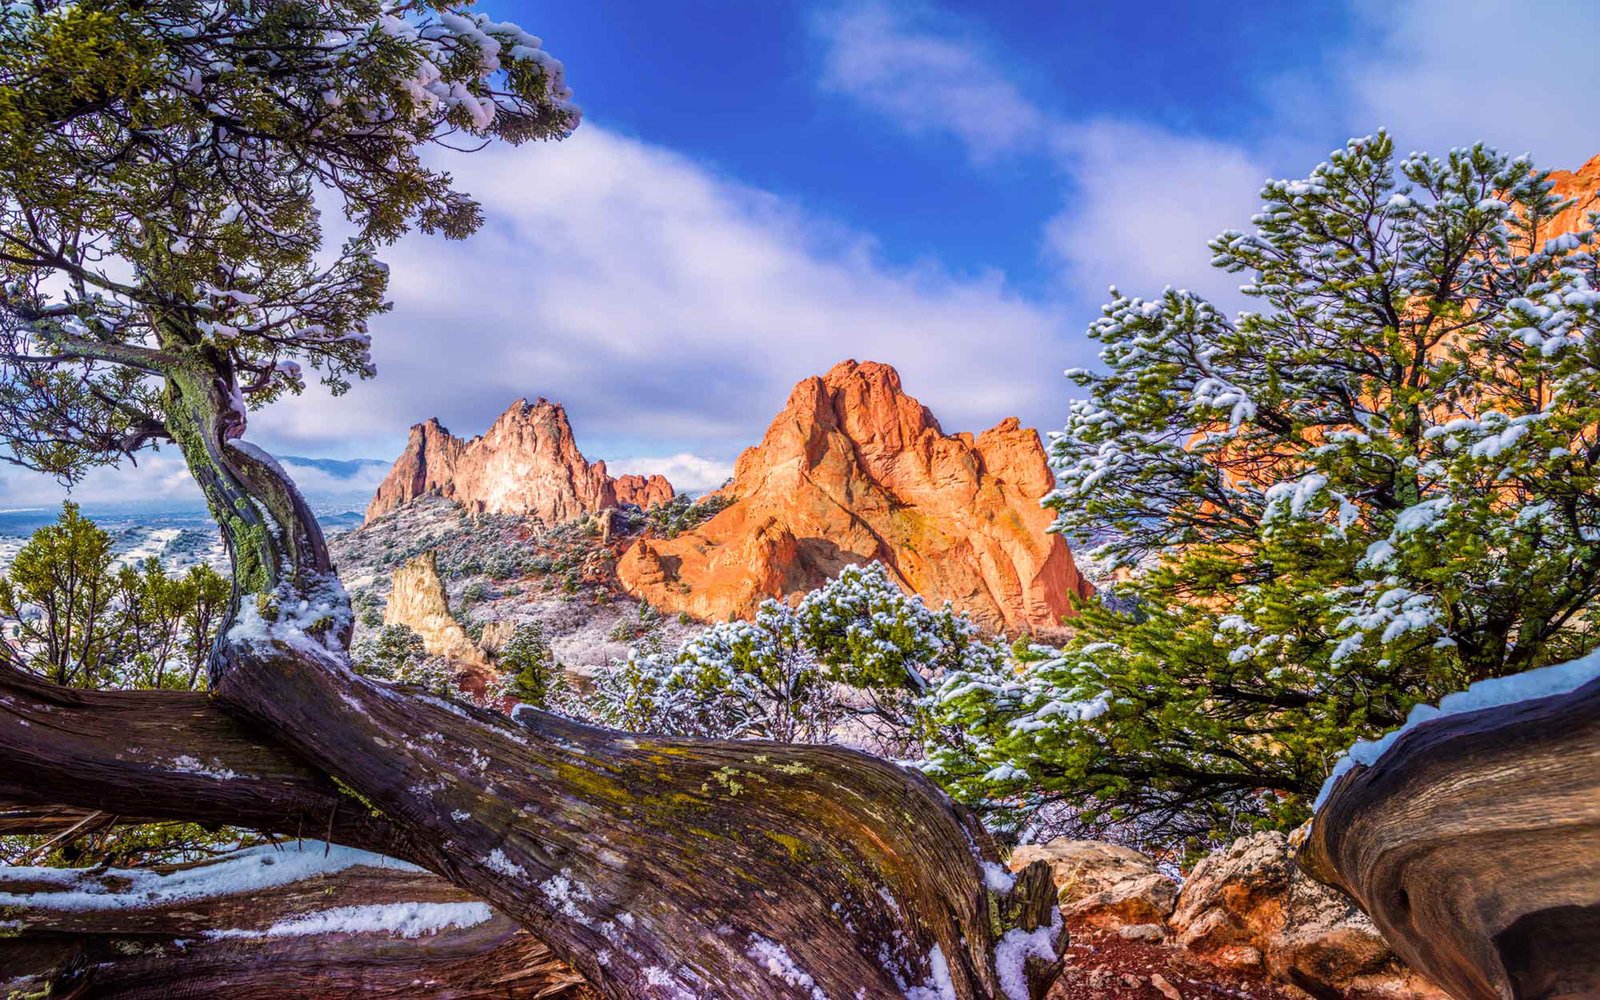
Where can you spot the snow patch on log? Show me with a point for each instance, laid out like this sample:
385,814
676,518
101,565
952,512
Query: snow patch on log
1496,692
1012,952
249,870
938,986
407,920
781,964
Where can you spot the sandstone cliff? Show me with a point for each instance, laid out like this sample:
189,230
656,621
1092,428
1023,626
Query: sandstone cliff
526,463
855,470
1582,184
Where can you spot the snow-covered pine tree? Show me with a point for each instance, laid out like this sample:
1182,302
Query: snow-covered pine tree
1380,485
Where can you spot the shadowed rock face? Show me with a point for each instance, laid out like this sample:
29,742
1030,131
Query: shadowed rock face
526,463
855,470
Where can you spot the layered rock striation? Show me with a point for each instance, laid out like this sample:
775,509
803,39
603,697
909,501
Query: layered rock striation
526,463
855,470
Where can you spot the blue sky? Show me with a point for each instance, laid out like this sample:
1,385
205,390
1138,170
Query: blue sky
760,189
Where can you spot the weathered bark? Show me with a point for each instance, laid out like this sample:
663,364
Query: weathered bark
1474,844
195,948
668,868
146,755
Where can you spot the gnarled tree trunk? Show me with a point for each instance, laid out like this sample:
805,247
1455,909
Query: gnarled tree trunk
1474,844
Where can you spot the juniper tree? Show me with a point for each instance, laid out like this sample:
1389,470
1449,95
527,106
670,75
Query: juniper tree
59,601
1376,487
856,650
162,273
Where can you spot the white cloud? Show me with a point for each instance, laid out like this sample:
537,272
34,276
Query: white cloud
687,473
161,479
925,77
1144,205
668,308
1443,73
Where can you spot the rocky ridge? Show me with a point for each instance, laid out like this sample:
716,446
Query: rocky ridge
856,470
527,462
497,571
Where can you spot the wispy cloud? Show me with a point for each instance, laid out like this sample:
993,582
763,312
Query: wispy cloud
927,75
1443,73
161,479
1140,201
1144,204
666,305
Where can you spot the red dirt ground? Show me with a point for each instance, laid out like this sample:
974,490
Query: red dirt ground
1103,966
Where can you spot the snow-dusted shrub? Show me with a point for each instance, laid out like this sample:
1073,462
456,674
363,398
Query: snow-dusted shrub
397,655
845,665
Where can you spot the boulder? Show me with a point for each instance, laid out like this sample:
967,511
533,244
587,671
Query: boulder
1250,904
855,470
526,463
1103,884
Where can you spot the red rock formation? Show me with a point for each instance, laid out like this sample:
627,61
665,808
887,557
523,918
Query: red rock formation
526,463
644,491
855,470
1582,184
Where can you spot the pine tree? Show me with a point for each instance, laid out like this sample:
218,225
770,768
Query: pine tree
59,598
1375,489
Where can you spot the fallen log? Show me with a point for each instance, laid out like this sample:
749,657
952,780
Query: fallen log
654,867
169,755
1473,841
671,868
330,925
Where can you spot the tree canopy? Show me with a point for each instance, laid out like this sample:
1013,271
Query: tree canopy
161,247
1375,488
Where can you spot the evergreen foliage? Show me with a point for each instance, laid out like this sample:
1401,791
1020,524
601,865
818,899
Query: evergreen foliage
79,619
848,663
398,655
529,666
1376,488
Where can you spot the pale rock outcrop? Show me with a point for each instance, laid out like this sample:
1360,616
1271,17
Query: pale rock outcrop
1249,905
1104,884
527,462
854,470
418,601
